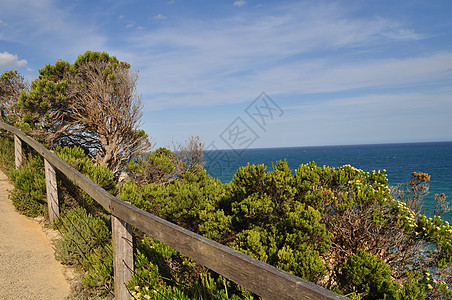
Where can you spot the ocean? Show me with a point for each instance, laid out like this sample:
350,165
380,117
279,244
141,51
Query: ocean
399,161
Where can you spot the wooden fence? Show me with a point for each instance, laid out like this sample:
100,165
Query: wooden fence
256,276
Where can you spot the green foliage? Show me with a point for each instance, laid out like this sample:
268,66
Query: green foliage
422,285
12,84
298,220
86,242
163,159
76,157
99,266
413,288
6,153
366,274
101,175
29,186
160,166
82,232
273,222
79,104
305,262
163,273
191,203
46,95
111,62
436,230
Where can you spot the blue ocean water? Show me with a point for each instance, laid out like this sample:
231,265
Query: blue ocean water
399,161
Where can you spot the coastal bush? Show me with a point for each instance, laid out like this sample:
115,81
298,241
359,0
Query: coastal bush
163,166
191,203
101,175
29,183
368,276
310,223
85,227
163,273
272,222
160,166
6,152
86,243
77,158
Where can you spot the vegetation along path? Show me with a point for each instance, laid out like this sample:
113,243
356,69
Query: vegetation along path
28,269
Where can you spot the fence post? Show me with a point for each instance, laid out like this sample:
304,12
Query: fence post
17,151
122,256
52,191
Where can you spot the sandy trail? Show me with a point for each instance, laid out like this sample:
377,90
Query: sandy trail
28,269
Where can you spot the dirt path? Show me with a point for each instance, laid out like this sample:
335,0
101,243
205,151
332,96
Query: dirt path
28,269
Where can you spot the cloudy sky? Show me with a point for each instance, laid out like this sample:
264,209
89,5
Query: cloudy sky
255,73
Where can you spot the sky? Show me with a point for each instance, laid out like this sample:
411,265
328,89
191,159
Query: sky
255,73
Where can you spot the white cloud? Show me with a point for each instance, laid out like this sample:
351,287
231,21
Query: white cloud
8,61
232,60
239,3
403,34
3,23
383,117
31,26
159,17
323,76
380,104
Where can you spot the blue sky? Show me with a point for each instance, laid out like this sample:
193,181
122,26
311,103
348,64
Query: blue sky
255,73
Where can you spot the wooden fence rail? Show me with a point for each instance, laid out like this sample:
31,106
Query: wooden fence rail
256,276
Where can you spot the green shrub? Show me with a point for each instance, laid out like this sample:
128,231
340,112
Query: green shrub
82,233
6,152
163,273
99,266
413,289
101,175
27,204
272,221
77,158
366,274
191,203
86,242
29,183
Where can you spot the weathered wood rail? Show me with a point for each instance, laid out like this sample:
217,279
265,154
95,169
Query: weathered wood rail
256,276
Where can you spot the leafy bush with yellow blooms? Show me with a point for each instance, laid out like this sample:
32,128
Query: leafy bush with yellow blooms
338,227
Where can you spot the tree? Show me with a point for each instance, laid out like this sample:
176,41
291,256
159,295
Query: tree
93,104
11,85
164,166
